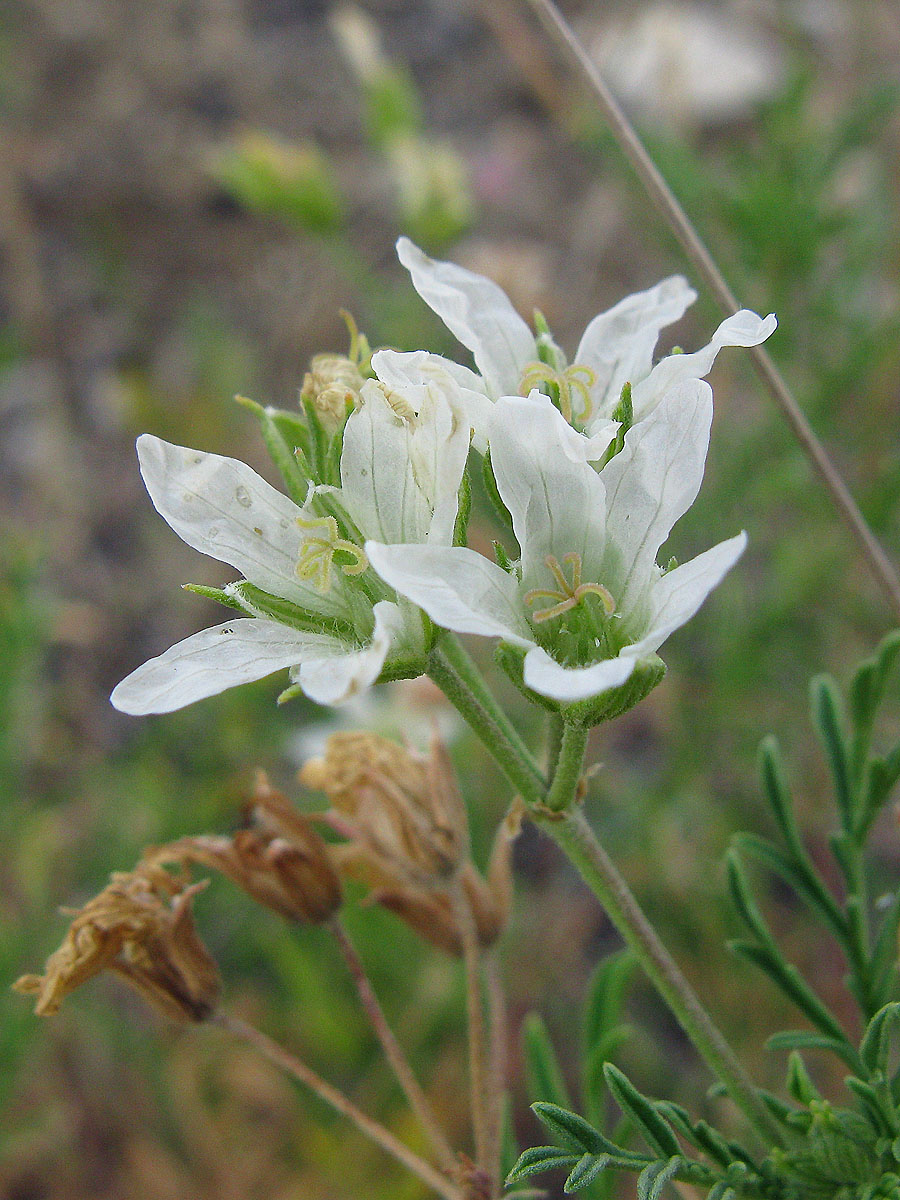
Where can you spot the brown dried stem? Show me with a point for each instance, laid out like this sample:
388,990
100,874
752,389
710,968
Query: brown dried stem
287,1062
418,1101
678,221
478,1051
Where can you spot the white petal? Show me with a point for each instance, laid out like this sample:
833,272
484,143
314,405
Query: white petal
618,345
556,499
544,675
411,373
459,589
477,312
378,484
743,328
213,660
652,482
224,509
340,673
680,592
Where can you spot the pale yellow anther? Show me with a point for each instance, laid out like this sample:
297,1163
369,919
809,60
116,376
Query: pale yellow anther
576,379
317,553
570,591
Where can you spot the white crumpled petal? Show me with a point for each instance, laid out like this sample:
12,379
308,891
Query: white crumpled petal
222,508
742,328
458,588
212,661
680,592
652,482
556,500
339,673
618,345
476,311
544,675
411,374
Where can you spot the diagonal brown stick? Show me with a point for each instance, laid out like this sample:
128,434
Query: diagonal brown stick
331,1095
680,224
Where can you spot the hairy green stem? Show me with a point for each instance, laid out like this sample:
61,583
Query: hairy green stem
460,681
574,835
562,793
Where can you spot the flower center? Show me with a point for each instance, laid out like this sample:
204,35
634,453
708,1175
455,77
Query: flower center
318,551
575,380
570,592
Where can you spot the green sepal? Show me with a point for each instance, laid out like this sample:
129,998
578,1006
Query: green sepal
289,693
505,563
284,434
317,451
654,1128
624,411
493,492
404,668
257,603
548,349
595,710
463,511
542,1069
213,593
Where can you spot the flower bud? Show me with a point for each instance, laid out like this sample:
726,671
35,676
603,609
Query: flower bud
141,927
332,387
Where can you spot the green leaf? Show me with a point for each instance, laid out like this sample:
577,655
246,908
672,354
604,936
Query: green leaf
742,898
883,963
543,1072
768,959
578,1135
828,719
585,1172
721,1191
655,1129
800,874
881,774
875,1047
799,1084
799,1039
866,691
540,1158
606,996
654,1178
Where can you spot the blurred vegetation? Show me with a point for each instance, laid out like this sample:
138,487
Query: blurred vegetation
800,204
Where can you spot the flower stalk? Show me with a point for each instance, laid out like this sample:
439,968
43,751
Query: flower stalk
332,1096
399,1063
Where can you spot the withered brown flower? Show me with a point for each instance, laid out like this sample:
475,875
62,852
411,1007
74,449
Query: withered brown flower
280,860
408,837
140,927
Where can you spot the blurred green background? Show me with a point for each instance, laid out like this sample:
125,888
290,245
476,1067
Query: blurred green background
189,193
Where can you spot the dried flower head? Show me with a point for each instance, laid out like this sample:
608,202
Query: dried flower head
408,838
280,860
332,386
403,808
141,927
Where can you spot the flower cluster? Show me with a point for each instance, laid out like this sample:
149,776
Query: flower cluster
350,578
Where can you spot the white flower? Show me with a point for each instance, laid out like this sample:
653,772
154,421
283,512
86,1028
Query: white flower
587,601
615,349
314,606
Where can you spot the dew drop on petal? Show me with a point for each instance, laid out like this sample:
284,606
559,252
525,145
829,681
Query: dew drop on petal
243,497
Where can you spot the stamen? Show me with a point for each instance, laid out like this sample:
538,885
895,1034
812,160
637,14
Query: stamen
317,553
575,379
570,592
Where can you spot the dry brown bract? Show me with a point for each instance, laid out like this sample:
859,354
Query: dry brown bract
281,861
408,836
141,927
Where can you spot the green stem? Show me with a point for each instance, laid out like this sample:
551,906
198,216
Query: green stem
574,835
460,681
554,741
563,789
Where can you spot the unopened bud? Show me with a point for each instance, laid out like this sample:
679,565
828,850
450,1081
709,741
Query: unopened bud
332,386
